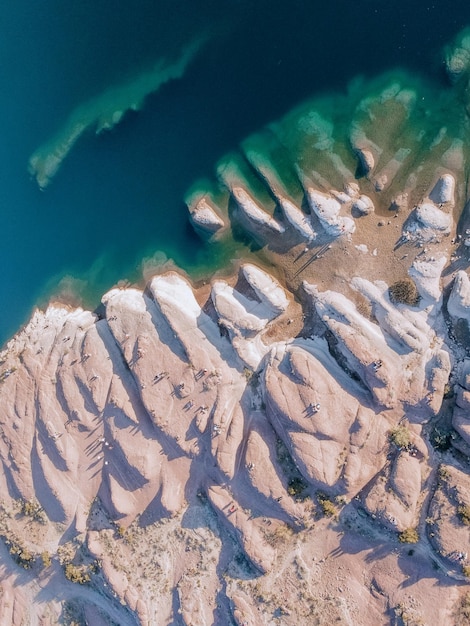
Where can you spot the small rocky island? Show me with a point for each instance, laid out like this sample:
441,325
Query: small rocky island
287,442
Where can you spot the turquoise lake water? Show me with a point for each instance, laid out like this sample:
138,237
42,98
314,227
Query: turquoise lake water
118,196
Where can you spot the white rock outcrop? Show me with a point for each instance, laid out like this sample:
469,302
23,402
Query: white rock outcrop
327,209
267,288
426,275
458,304
427,223
363,206
254,214
204,216
298,220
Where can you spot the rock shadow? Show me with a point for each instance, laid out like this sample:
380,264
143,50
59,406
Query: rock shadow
43,491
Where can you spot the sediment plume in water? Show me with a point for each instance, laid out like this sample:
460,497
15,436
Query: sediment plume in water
106,111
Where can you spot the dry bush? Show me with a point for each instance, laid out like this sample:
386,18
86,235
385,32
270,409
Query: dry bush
296,487
464,514
400,436
32,509
404,292
462,614
409,535
327,506
77,573
21,555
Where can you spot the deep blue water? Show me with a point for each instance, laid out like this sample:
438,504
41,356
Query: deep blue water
119,196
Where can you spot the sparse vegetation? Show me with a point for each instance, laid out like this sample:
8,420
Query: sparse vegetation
46,558
448,391
247,373
72,614
32,509
441,440
409,535
466,570
22,556
443,473
400,437
462,614
281,534
464,514
254,380
75,561
66,552
404,292
327,506
77,573
120,531
407,617
296,487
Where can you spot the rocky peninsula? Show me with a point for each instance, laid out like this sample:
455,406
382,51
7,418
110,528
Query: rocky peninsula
287,442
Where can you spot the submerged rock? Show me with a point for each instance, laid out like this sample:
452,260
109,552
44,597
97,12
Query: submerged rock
204,216
443,190
105,111
458,57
